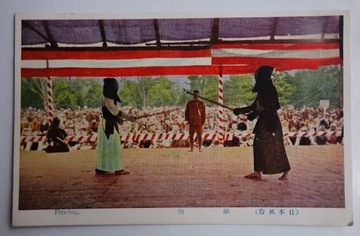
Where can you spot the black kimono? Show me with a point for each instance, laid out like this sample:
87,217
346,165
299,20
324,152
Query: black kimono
55,137
269,150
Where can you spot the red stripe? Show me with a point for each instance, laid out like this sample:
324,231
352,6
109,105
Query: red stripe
276,46
142,71
119,54
134,54
232,68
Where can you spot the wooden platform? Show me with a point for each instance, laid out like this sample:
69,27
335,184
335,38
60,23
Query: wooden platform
177,178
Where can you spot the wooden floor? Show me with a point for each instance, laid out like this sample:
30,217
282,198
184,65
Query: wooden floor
162,178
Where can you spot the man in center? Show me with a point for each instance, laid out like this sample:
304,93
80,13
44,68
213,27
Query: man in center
195,116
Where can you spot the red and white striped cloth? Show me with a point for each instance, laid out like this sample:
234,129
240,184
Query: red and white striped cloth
220,59
175,136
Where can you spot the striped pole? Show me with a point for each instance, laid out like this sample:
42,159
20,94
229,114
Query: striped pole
221,120
49,98
50,103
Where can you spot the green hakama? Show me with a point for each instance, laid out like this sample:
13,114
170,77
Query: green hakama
109,155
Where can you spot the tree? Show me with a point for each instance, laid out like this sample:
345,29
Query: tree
93,93
207,86
238,90
131,94
180,97
63,96
311,86
75,92
33,92
284,89
159,93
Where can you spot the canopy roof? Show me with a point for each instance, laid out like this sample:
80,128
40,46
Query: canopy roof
187,46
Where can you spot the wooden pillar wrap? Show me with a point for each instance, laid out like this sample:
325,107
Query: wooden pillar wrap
50,100
221,120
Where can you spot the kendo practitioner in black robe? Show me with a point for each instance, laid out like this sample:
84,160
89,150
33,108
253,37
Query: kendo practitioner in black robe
55,137
269,150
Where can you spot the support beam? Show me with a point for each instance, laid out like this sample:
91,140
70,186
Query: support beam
103,33
325,26
27,25
215,31
157,33
53,43
274,29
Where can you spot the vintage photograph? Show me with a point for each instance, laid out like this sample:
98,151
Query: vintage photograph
186,120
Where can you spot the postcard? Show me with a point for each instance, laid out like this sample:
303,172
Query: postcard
182,119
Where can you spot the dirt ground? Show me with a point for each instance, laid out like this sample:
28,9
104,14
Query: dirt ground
176,178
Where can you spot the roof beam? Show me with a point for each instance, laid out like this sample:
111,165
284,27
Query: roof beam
53,43
274,28
215,31
27,25
157,32
103,34
325,25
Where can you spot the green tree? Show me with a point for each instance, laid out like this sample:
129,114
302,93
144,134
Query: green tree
160,93
63,95
93,94
130,93
75,92
33,92
180,96
285,91
207,86
311,86
238,90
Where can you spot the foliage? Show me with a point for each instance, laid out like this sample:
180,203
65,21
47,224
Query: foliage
73,93
130,93
67,93
311,86
159,93
33,92
207,86
237,91
297,88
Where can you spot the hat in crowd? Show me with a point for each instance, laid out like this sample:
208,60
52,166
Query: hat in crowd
110,89
242,117
262,77
56,122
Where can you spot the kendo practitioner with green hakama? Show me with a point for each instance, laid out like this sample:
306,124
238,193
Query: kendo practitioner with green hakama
109,155
269,150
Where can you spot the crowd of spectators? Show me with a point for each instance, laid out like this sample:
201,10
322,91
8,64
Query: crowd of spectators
301,126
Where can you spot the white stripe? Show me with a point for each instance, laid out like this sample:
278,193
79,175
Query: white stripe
310,54
126,63
39,64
